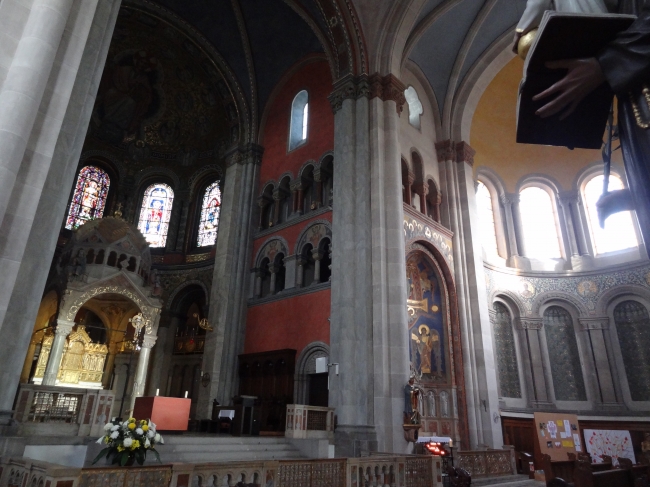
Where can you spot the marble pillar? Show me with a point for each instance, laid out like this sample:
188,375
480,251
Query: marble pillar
581,259
228,293
140,379
532,329
317,258
63,329
508,202
30,229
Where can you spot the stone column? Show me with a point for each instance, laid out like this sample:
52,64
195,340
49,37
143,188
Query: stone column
423,190
532,328
596,329
110,364
63,329
290,272
277,198
54,149
261,203
273,270
300,271
162,353
317,258
141,369
408,190
318,181
228,292
258,283
515,259
178,235
480,375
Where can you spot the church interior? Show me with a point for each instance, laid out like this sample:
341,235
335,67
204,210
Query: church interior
287,209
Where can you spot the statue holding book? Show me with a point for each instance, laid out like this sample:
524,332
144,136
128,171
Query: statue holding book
623,65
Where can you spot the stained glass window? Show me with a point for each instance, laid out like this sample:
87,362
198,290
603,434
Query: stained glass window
155,213
89,197
618,233
209,222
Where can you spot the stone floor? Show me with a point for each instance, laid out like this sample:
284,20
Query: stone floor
510,481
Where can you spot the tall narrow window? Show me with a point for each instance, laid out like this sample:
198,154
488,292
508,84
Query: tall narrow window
504,340
299,119
89,197
155,214
486,219
563,355
633,329
415,106
209,222
541,239
618,233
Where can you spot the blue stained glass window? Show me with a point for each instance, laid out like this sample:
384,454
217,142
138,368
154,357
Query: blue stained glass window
209,223
89,198
155,213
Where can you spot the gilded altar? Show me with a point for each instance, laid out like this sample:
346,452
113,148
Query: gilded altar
82,361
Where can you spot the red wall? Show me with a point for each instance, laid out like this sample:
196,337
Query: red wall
289,323
316,78
290,234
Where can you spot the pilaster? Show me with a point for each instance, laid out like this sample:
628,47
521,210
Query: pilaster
63,329
532,328
596,329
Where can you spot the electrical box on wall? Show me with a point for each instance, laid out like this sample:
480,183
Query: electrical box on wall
321,365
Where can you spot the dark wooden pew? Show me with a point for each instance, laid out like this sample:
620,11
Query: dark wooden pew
584,475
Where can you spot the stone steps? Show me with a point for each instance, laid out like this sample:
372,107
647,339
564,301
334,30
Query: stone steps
200,449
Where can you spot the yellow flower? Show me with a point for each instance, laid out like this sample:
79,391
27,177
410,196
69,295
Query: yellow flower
145,427
131,426
120,448
107,439
131,420
135,444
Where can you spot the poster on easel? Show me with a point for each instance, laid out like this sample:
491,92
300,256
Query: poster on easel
558,434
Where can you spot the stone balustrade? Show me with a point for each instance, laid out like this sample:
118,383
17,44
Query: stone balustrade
487,463
62,410
309,422
393,471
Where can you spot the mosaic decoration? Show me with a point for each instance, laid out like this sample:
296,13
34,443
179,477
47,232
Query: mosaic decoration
633,329
89,197
210,210
563,355
413,230
426,323
585,291
155,214
506,355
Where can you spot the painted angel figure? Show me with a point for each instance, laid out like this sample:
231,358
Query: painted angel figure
535,9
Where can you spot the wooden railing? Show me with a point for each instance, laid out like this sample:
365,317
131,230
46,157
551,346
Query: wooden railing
309,421
487,463
394,471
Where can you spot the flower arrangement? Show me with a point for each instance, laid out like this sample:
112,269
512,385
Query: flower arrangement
129,441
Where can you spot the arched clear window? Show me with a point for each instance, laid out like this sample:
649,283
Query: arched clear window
486,219
89,198
504,340
618,233
563,355
415,106
209,223
155,214
299,119
541,239
633,330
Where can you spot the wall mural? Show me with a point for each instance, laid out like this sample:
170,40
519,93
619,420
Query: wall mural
426,323
161,96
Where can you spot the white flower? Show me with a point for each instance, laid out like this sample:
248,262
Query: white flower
152,425
139,431
115,434
100,441
147,443
108,426
128,442
159,439
151,433
115,427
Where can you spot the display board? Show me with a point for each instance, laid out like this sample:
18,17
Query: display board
558,434
615,443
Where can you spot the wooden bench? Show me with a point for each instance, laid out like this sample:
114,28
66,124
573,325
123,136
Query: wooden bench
584,475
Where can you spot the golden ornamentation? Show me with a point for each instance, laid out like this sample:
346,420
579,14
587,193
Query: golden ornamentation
412,305
148,312
203,323
139,322
637,110
435,308
197,257
523,46
587,288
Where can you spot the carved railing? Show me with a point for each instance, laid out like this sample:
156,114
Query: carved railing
80,412
393,471
487,463
309,421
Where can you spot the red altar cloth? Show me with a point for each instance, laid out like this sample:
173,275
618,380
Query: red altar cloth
168,413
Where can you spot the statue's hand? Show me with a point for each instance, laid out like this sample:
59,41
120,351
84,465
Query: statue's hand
583,76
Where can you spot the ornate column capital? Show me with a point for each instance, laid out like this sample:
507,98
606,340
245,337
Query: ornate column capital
529,323
601,323
349,87
316,254
386,88
566,198
445,151
508,199
64,327
296,185
248,154
464,153
148,341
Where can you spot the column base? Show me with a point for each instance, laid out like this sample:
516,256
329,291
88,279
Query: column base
354,441
582,262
